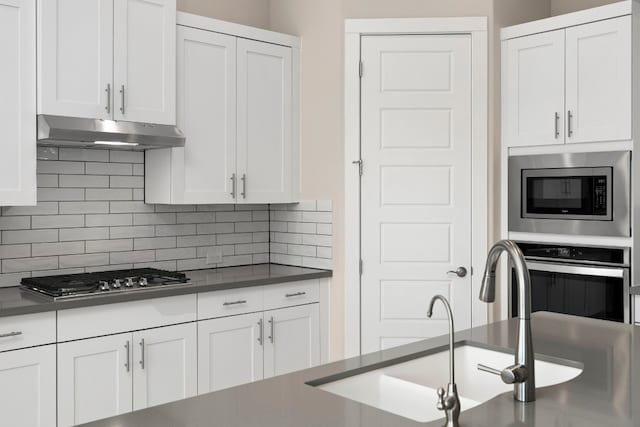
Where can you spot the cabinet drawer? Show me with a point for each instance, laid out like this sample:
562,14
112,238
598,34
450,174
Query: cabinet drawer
86,322
229,302
27,331
292,293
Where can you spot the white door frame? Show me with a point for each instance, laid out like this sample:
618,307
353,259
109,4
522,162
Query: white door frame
476,27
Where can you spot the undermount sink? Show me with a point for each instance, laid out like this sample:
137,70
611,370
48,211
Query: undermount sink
409,389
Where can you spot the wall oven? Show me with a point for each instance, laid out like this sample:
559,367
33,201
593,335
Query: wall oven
571,193
578,280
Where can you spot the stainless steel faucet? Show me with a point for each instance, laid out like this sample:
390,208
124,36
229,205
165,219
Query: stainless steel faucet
449,402
522,373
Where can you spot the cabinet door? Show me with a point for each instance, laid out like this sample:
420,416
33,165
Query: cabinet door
204,171
17,102
599,81
145,61
166,363
292,339
75,58
264,122
28,391
229,351
94,379
533,89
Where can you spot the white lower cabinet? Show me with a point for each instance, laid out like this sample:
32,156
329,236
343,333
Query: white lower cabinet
107,376
28,387
94,379
292,339
165,365
229,351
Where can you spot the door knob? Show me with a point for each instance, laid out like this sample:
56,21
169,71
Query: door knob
460,272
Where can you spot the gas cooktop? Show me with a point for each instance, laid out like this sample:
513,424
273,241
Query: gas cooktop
103,283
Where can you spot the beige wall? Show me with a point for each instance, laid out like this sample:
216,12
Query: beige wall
558,7
246,12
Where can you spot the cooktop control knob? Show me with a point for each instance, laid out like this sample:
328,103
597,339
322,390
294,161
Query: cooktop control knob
117,284
129,282
103,286
143,281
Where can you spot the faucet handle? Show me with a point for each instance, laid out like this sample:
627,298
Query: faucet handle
513,374
441,405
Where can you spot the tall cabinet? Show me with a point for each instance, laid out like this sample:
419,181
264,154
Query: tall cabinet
17,102
126,69
238,106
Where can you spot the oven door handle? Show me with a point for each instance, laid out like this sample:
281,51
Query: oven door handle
579,270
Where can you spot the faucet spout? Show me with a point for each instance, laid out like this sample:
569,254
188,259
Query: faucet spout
524,382
449,402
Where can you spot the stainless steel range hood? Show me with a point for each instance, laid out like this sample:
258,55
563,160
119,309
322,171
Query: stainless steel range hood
80,132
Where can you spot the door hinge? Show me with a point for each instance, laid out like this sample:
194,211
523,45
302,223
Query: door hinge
361,267
360,165
361,69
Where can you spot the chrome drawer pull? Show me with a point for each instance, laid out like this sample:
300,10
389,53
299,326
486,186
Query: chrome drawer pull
261,330
297,294
142,353
127,364
11,334
272,336
244,301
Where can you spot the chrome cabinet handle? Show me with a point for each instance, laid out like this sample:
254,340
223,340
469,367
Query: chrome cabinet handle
127,364
297,294
569,123
233,186
108,90
142,353
271,329
261,332
244,186
460,272
244,301
11,334
557,124
122,99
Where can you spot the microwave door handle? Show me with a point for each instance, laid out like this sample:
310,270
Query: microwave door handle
580,270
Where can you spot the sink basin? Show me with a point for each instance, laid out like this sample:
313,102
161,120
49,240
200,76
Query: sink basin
409,389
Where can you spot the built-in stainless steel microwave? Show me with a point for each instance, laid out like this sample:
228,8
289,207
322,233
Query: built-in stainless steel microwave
571,193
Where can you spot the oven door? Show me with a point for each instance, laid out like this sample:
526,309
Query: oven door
577,289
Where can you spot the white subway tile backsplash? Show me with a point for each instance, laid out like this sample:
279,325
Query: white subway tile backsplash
91,216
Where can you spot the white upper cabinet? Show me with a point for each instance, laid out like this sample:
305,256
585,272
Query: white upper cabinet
237,104
598,81
144,61
107,59
264,122
166,365
18,102
28,391
75,57
567,85
533,81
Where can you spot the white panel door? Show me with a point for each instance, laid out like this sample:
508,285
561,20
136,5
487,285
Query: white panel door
17,102
28,387
599,81
205,170
145,61
292,339
165,365
94,379
533,80
75,58
230,351
416,185
264,123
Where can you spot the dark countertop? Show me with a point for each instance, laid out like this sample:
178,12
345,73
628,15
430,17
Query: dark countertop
603,395
14,301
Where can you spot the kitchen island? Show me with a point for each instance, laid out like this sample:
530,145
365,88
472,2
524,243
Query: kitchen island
603,395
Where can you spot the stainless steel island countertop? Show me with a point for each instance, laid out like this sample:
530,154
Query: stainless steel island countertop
603,395
15,301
